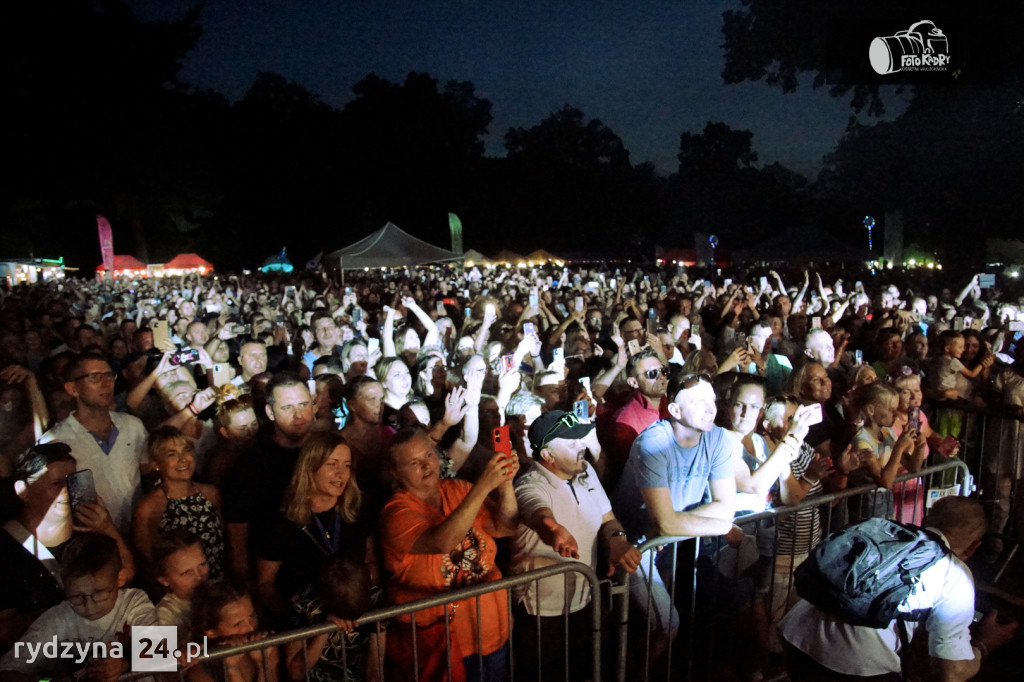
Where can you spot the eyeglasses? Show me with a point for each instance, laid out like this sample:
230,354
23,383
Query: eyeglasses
96,377
652,374
568,421
97,597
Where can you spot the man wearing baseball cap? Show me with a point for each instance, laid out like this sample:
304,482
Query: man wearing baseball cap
564,513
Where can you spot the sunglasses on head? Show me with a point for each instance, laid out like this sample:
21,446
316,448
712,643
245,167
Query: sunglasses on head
652,374
240,403
691,380
785,399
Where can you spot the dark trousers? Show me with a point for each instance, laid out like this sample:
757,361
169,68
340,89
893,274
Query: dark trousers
545,658
803,668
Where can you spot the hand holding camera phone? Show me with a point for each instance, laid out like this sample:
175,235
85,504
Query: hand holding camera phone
914,418
81,490
184,357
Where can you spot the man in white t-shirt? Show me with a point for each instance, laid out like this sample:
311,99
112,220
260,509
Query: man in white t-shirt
821,646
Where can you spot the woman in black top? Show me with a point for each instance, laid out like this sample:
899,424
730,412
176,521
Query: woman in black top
320,520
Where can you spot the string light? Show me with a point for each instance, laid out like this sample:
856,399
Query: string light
869,223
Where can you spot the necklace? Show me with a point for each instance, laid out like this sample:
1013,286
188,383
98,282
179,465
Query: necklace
331,538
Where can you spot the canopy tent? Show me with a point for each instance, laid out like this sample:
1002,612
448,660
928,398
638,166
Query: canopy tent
129,266
474,257
187,262
277,263
542,256
389,247
801,244
507,256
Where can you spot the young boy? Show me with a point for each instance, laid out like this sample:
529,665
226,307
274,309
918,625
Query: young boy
948,367
95,617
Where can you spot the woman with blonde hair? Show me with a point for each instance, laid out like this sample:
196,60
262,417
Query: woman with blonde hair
179,501
237,427
321,520
886,455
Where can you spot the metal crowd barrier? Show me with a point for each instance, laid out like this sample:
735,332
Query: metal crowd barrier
992,442
695,590
378,617
705,646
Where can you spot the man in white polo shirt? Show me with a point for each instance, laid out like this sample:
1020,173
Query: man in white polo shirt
564,512
111,444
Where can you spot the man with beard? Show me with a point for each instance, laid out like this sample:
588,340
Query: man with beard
111,444
564,513
648,378
252,496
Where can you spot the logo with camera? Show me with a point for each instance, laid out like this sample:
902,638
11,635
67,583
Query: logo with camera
921,48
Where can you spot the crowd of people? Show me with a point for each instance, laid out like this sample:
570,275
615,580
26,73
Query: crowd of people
237,455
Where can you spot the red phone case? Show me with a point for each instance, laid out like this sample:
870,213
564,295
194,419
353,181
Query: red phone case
501,440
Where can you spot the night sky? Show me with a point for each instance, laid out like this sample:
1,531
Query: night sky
648,70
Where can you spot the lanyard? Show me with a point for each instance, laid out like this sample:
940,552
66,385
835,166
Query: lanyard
332,539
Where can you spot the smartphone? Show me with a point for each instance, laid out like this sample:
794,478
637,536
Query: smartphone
501,441
976,325
858,357
741,339
241,329
1016,326
289,291
914,418
490,310
507,363
357,315
529,329
695,331
612,283
81,490
534,299
161,336
764,283
348,291
372,345
814,413
585,383
727,281
184,357
815,322
221,374
467,313
581,408
441,309
579,303
558,355
279,320
634,346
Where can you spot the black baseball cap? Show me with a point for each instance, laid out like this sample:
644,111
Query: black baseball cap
557,424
